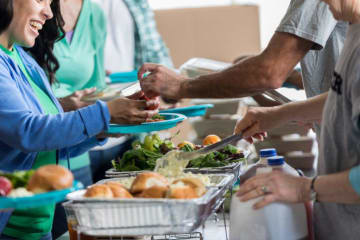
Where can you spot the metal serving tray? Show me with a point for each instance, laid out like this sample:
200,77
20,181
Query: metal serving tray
138,217
234,168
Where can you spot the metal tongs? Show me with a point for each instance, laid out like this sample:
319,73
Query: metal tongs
275,95
187,156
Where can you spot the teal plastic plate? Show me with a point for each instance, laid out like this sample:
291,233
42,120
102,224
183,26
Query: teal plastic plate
38,200
171,120
192,111
124,77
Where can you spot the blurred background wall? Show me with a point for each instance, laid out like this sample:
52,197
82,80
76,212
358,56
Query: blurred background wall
271,11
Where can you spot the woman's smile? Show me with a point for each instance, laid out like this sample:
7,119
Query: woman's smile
36,26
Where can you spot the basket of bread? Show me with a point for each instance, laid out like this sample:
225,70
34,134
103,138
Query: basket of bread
148,203
33,188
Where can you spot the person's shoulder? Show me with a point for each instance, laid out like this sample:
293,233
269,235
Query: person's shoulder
97,13
4,58
6,67
4,62
27,58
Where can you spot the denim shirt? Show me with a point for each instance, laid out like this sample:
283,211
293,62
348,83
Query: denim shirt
26,130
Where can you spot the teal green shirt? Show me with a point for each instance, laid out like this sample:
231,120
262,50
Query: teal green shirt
82,60
40,218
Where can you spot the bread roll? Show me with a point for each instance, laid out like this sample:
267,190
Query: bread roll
49,178
118,190
154,192
99,191
181,192
194,183
147,180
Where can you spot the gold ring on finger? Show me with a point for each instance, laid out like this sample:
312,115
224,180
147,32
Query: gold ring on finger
265,189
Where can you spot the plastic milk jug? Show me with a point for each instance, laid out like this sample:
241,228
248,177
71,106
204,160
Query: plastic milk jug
251,170
277,221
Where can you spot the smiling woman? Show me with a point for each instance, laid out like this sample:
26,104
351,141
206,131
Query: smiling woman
37,26
30,113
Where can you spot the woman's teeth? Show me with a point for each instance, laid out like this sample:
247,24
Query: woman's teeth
36,25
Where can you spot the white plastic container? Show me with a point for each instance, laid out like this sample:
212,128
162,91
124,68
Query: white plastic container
277,221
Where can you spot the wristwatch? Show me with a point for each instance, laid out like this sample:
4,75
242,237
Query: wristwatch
313,194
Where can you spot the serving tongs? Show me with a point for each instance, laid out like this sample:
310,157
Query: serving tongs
187,156
275,95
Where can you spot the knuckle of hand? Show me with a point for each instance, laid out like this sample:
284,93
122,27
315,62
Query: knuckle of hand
157,75
131,112
251,185
276,178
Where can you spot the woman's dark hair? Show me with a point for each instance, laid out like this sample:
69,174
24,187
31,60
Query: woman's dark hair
6,14
51,32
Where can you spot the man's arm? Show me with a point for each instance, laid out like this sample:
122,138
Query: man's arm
268,70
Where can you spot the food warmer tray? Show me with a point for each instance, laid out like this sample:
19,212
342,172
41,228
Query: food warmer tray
234,168
138,217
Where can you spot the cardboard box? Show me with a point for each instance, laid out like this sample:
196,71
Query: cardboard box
220,33
221,127
303,161
289,128
283,146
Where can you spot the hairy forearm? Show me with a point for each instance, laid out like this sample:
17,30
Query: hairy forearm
335,188
254,75
309,110
243,79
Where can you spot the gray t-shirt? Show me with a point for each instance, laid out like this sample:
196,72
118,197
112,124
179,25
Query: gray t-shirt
340,140
312,20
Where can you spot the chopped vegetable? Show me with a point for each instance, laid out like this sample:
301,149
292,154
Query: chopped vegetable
187,148
158,117
18,178
143,156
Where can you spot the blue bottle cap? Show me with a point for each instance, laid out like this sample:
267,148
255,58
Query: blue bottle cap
268,152
276,161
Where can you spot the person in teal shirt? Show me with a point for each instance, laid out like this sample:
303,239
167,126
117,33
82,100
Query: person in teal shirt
81,64
34,130
81,70
81,52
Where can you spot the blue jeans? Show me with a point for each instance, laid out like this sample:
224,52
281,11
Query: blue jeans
82,175
45,237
